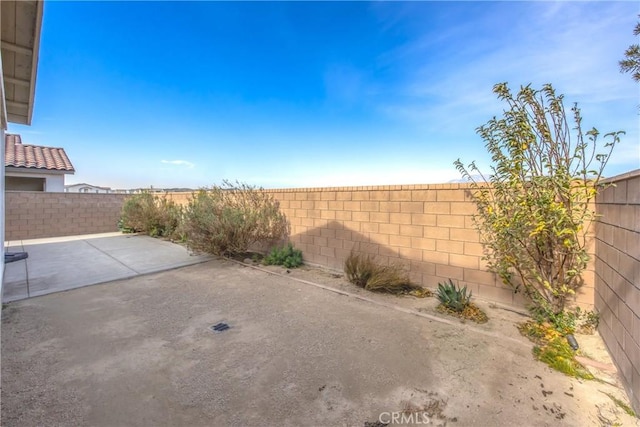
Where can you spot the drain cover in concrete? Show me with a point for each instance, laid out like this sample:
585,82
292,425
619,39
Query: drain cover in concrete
220,327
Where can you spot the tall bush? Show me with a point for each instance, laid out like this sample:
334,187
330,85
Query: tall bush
535,212
151,214
226,220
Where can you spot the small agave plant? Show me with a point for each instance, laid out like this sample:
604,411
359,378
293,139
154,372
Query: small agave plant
453,297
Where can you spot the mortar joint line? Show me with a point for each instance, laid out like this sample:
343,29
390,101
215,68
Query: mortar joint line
26,269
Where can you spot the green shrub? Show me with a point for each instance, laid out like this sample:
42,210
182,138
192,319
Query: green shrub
226,220
150,214
286,256
364,272
552,348
456,301
558,354
569,321
589,322
453,297
620,403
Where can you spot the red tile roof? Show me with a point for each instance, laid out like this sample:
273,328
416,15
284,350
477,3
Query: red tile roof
20,155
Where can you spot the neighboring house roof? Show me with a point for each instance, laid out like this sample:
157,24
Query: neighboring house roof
20,155
82,184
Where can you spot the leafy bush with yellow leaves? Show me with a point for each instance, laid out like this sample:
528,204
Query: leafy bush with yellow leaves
535,209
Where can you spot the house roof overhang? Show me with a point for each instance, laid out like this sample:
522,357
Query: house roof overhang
17,171
21,23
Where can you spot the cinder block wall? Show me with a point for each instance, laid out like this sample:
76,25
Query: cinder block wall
617,277
181,198
427,228
32,215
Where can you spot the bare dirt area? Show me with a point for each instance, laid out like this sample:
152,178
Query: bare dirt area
502,325
302,348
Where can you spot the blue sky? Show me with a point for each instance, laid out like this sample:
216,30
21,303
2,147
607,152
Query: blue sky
305,94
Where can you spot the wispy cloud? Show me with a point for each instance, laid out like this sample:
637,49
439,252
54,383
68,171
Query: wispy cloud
574,46
574,50
179,163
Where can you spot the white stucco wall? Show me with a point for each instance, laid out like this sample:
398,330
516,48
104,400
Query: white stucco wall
54,182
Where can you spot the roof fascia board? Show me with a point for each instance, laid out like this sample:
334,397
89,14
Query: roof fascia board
34,58
12,170
3,105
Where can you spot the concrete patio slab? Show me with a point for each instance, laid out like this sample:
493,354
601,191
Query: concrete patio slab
59,264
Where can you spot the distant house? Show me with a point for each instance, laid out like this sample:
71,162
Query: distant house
33,167
86,188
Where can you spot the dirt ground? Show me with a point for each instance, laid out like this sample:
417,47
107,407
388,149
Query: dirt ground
304,347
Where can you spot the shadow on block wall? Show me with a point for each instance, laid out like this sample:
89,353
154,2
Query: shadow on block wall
329,246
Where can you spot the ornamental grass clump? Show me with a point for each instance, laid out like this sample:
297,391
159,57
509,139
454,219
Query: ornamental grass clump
227,220
364,272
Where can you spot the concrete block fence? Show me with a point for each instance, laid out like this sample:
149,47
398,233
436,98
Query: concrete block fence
617,277
33,215
426,228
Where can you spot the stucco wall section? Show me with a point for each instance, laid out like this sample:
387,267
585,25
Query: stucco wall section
54,182
617,276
